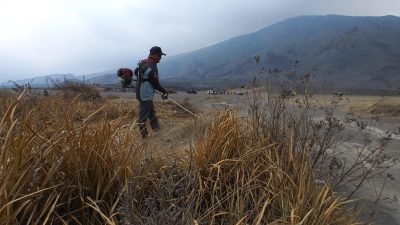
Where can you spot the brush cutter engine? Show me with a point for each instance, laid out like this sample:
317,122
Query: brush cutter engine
125,77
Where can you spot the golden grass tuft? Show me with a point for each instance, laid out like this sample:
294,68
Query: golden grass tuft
54,169
67,162
247,179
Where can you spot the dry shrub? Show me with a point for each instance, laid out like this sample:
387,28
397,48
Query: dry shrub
167,109
234,175
63,173
83,92
6,97
112,96
247,177
386,109
279,115
159,192
94,171
186,103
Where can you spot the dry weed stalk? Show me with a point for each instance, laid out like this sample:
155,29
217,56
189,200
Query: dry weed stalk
54,170
57,169
248,177
283,113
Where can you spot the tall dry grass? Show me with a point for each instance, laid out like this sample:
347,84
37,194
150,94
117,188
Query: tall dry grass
59,168
248,177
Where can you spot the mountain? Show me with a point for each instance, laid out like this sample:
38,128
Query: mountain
107,77
343,52
44,81
93,76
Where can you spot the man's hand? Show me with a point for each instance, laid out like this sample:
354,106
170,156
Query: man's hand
164,95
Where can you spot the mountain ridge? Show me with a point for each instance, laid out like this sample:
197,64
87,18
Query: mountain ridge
338,46
346,52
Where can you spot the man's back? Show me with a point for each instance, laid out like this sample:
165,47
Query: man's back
149,68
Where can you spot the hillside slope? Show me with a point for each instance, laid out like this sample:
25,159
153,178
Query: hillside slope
341,51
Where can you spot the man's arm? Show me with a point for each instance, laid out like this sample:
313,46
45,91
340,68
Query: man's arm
155,82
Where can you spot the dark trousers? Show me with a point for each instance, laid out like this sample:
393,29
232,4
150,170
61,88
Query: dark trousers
146,111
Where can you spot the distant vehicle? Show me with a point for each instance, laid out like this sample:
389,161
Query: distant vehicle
220,91
192,91
240,93
212,92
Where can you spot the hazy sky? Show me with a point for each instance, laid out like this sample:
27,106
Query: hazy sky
39,37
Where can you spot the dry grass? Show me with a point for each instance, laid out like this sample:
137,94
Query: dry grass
72,161
55,167
365,106
248,178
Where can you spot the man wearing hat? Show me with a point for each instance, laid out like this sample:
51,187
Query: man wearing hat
148,82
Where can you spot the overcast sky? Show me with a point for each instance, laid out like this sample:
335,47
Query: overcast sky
40,37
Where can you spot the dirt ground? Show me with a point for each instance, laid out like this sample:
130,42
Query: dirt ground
378,198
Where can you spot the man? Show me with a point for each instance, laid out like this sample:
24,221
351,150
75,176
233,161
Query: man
147,83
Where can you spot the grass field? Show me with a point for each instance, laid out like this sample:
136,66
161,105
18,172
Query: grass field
366,106
67,159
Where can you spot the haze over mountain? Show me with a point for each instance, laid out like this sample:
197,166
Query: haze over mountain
342,52
44,81
107,77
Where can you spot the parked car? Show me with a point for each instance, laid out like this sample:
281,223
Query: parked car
212,92
192,91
